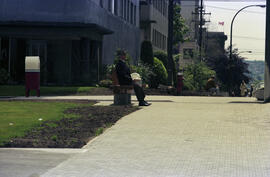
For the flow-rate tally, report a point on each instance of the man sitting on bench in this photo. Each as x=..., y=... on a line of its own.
x=124, y=78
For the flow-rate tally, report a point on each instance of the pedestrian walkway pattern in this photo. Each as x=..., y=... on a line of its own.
x=187, y=137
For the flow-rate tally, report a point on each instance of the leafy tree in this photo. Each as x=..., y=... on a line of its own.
x=179, y=26
x=196, y=76
x=147, y=56
x=175, y=68
x=230, y=72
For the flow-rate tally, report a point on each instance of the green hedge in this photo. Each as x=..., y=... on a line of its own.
x=160, y=74
x=163, y=57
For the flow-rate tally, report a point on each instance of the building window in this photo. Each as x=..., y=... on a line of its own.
x=158, y=5
x=162, y=41
x=135, y=15
x=110, y=5
x=166, y=42
x=121, y=8
x=128, y=11
x=165, y=9
x=131, y=13
x=156, y=40
x=125, y=9
x=116, y=7
x=101, y=3
x=152, y=36
x=159, y=40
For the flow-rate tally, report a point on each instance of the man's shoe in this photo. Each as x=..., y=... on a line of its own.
x=148, y=104
x=144, y=103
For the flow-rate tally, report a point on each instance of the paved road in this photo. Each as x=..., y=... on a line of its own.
x=32, y=162
x=176, y=136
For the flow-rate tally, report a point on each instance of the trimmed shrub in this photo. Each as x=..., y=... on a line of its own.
x=163, y=57
x=147, y=53
x=160, y=72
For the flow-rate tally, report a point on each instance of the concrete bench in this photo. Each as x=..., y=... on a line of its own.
x=122, y=93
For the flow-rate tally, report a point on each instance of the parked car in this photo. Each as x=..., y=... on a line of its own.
x=259, y=92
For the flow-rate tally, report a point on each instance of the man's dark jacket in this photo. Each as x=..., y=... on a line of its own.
x=123, y=73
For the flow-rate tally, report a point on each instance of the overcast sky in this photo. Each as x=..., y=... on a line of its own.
x=248, y=26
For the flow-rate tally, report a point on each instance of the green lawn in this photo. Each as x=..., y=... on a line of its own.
x=17, y=117
x=20, y=90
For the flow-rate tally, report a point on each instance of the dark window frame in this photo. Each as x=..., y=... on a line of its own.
x=115, y=9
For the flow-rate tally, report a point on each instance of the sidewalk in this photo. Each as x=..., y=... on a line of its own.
x=178, y=136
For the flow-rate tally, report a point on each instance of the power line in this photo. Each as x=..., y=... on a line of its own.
x=223, y=8
x=253, y=49
x=257, y=55
x=247, y=37
x=188, y=5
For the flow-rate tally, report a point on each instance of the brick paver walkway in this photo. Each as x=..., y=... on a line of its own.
x=187, y=137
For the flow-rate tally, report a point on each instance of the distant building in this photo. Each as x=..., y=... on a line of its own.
x=73, y=38
x=189, y=50
x=190, y=12
x=215, y=43
x=154, y=23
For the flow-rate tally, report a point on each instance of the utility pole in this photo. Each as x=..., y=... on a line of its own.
x=201, y=24
x=267, y=56
x=201, y=21
x=170, y=42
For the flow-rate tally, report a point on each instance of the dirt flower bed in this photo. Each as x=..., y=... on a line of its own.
x=73, y=132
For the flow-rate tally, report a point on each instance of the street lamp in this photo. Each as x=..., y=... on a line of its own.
x=262, y=6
